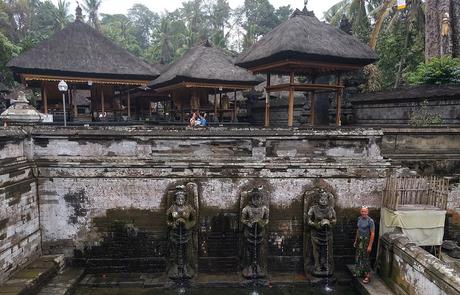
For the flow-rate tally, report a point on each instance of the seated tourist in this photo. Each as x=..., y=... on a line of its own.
x=203, y=120
x=195, y=120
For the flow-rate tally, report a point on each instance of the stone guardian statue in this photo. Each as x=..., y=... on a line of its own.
x=254, y=218
x=181, y=220
x=321, y=219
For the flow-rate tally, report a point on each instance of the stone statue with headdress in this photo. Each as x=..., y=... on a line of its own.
x=254, y=218
x=181, y=220
x=321, y=219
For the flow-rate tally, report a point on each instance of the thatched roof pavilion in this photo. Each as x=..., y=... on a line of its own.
x=85, y=59
x=203, y=70
x=80, y=52
x=305, y=46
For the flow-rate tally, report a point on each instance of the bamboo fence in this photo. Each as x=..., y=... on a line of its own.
x=417, y=191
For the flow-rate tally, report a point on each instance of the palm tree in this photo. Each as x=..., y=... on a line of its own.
x=92, y=7
x=62, y=14
x=356, y=11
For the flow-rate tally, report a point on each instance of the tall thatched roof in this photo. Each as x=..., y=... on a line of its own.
x=80, y=51
x=205, y=63
x=304, y=37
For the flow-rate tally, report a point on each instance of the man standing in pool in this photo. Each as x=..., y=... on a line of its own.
x=363, y=244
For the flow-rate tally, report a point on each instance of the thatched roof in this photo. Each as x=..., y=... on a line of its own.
x=304, y=37
x=408, y=93
x=80, y=51
x=205, y=63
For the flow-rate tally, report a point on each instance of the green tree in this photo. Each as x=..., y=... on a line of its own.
x=438, y=70
x=260, y=18
x=283, y=13
x=92, y=8
x=120, y=29
x=7, y=51
x=62, y=15
x=144, y=22
x=219, y=15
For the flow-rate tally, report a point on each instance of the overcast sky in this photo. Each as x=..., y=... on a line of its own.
x=122, y=6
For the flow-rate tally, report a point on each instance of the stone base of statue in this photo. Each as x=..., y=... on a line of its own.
x=321, y=273
x=253, y=272
x=180, y=273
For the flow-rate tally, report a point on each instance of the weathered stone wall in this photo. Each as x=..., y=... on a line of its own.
x=19, y=215
x=398, y=106
x=409, y=269
x=102, y=192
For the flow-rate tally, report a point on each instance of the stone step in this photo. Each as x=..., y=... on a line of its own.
x=64, y=283
x=33, y=277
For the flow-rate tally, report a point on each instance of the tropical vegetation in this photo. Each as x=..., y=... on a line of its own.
x=396, y=35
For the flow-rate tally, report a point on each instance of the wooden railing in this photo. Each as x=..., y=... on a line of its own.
x=417, y=191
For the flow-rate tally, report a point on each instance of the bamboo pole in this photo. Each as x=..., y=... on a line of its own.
x=291, y=102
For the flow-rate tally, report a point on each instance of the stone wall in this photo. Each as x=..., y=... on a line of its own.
x=409, y=269
x=19, y=214
x=397, y=106
x=103, y=191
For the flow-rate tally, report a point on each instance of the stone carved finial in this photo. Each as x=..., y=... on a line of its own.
x=78, y=13
x=345, y=25
x=20, y=112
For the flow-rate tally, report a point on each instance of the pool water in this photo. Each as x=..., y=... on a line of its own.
x=342, y=290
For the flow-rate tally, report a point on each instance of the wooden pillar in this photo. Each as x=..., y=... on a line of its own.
x=234, y=108
x=267, y=103
x=338, y=95
x=215, y=106
x=129, y=104
x=45, y=99
x=75, y=108
x=102, y=100
x=291, y=102
x=313, y=105
x=150, y=106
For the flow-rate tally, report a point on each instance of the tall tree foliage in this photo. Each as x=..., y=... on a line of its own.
x=91, y=7
x=397, y=36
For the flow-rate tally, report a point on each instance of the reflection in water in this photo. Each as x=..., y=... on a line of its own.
x=342, y=290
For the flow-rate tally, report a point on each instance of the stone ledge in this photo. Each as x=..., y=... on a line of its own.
x=213, y=132
x=429, y=266
x=33, y=277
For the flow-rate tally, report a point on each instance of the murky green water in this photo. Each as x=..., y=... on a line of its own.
x=342, y=290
